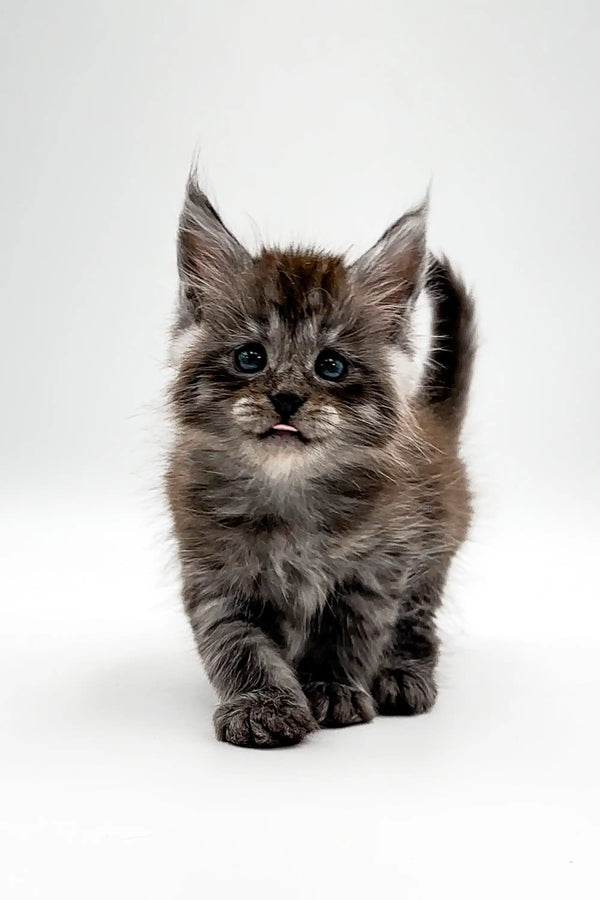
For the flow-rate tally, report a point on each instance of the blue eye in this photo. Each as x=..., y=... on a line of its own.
x=331, y=365
x=250, y=358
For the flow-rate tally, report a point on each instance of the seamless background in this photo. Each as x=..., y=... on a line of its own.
x=315, y=122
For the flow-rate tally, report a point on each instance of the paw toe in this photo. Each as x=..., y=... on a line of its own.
x=337, y=705
x=399, y=693
x=266, y=719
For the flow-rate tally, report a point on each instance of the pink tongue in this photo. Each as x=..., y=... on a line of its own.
x=282, y=427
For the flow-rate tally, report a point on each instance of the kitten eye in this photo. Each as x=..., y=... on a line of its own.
x=331, y=365
x=250, y=358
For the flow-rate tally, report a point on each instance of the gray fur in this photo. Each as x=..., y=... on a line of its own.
x=312, y=569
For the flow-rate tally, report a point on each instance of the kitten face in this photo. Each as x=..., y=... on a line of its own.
x=290, y=359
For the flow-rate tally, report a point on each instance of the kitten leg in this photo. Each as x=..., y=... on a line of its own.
x=343, y=653
x=405, y=684
x=262, y=703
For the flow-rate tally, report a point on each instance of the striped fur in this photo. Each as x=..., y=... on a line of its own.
x=313, y=567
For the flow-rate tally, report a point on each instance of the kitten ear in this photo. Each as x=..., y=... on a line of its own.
x=210, y=258
x=392, y=272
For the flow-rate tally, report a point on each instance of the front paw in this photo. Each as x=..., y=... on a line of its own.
x=336, y=705
x=268, y=718
x=404, y=693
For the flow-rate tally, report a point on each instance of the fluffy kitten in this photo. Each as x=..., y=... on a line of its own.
x=315, y=483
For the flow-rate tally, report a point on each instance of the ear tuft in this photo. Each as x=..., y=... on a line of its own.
x=209, y=257
x=393, y=271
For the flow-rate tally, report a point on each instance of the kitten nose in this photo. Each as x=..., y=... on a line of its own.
x=286, y=404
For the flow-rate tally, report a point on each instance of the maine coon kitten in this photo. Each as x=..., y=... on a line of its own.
x=315, y=483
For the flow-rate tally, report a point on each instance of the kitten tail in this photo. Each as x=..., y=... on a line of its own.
x=451, y=359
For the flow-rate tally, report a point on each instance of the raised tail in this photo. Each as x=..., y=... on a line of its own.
x=450, y=363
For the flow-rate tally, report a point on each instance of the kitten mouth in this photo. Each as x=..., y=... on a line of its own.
x=284, y=432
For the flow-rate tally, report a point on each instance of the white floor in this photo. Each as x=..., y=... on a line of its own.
x=115, y=787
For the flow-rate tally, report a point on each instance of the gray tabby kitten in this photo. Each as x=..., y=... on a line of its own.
x=315, y=483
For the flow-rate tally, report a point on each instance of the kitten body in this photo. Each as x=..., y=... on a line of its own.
x=316, y=517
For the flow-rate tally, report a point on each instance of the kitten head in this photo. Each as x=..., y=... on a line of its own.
x=292, y=358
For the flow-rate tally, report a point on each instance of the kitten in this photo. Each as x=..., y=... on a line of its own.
x=315, y=483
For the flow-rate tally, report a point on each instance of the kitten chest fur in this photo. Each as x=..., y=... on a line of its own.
x=284, y=553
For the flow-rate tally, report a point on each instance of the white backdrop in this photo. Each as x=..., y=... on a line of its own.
x=315, y=122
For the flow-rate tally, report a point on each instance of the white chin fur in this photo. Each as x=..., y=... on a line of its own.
x=283, y=463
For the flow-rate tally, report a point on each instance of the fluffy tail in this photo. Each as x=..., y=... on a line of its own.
x=453, y=347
